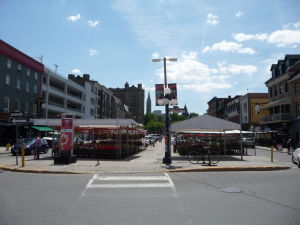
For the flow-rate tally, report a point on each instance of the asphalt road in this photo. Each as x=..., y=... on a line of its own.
x=227, y=198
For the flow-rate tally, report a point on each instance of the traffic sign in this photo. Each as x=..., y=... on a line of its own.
x=16, y=114
x=18, y=121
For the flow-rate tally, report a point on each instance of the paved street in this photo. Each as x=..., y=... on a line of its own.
x=248, y=198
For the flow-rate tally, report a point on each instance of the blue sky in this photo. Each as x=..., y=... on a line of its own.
x=223, y=47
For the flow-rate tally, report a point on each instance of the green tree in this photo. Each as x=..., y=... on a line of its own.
x=193, y=115
x=155, y=127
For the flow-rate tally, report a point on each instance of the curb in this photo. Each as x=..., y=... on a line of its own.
x=5, y=153
x=228, y=169
x=176, y=170
x=11, y=169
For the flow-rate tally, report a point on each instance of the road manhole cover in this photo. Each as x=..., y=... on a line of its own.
x=230, y=190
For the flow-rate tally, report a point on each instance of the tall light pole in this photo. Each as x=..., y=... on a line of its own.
x=167, y=159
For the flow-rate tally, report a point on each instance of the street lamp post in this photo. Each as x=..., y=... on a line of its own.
x=167, y=159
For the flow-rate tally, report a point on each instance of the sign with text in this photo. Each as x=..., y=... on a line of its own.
x=169, y=99
x=66, y=136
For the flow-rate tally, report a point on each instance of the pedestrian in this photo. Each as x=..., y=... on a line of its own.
x=289, y=146
x=36, y=150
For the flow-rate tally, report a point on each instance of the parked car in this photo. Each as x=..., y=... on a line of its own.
x=296, y=157
x=29, y=146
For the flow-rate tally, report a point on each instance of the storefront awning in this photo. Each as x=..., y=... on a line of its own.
x=42, y=128
x=284, y=101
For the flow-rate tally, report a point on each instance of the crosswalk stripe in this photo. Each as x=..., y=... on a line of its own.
x=146, y=185
x=131, y=178
x=166, y=182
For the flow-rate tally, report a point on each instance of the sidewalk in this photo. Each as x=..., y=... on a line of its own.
x=149, y=160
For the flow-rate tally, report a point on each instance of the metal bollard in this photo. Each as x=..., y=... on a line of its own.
x=23, y=154
x=272, y=153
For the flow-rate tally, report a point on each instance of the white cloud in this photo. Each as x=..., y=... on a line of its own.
x=190, y=73
x=93, y=23
x=239, y=14
x=76, y=71
x=212, y=19
x=155, y=55
x=225, y=46
x=93, y=52
x=281, y=38
x=240, y=37
x=74, y=18
x=297, y=24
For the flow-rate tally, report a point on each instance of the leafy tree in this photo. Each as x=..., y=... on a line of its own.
x=155, y=127
x=193, y=115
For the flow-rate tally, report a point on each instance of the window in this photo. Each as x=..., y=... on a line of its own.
x=281, y=88
x=245, y=107
x=36, y=76
x=297, y=89
x=34, y=109
x=286, y=87
x=17, y=105
x=6, y=104
x=18, y=84
x=298, y=109
x=275, y=90
x=19, y=67
x=26, y=107
x=27, y=86
x=270, y=92
x=8, y=64
x=28, y=72
x=92, y=112
x=35, y=89
x=7, y=79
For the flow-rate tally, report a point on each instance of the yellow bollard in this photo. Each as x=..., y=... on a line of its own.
x=23, y=154
x=272, y=153
x=8, y=147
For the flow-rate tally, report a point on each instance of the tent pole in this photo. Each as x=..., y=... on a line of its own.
x=241, y=138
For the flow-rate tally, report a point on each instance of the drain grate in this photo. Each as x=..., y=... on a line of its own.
x=230, y=190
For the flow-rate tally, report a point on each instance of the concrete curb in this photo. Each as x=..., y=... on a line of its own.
x=171, y=170
x=5, y=152
x=23, y=170
x=228, y=169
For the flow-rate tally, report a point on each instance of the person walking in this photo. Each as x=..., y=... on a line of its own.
x=36, y=150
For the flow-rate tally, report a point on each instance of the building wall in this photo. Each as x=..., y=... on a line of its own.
x=23, y=70
x=134, y=98
x=255, y=112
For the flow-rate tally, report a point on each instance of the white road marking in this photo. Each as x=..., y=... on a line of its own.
x=147, y=184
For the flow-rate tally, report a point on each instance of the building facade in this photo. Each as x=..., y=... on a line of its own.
x=21, y=81
x=134, y=98
x=251, y=111
x=283, y=89
x=216, y=107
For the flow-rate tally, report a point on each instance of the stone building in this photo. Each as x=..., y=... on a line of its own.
x=148, y=107
x=134, y=98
